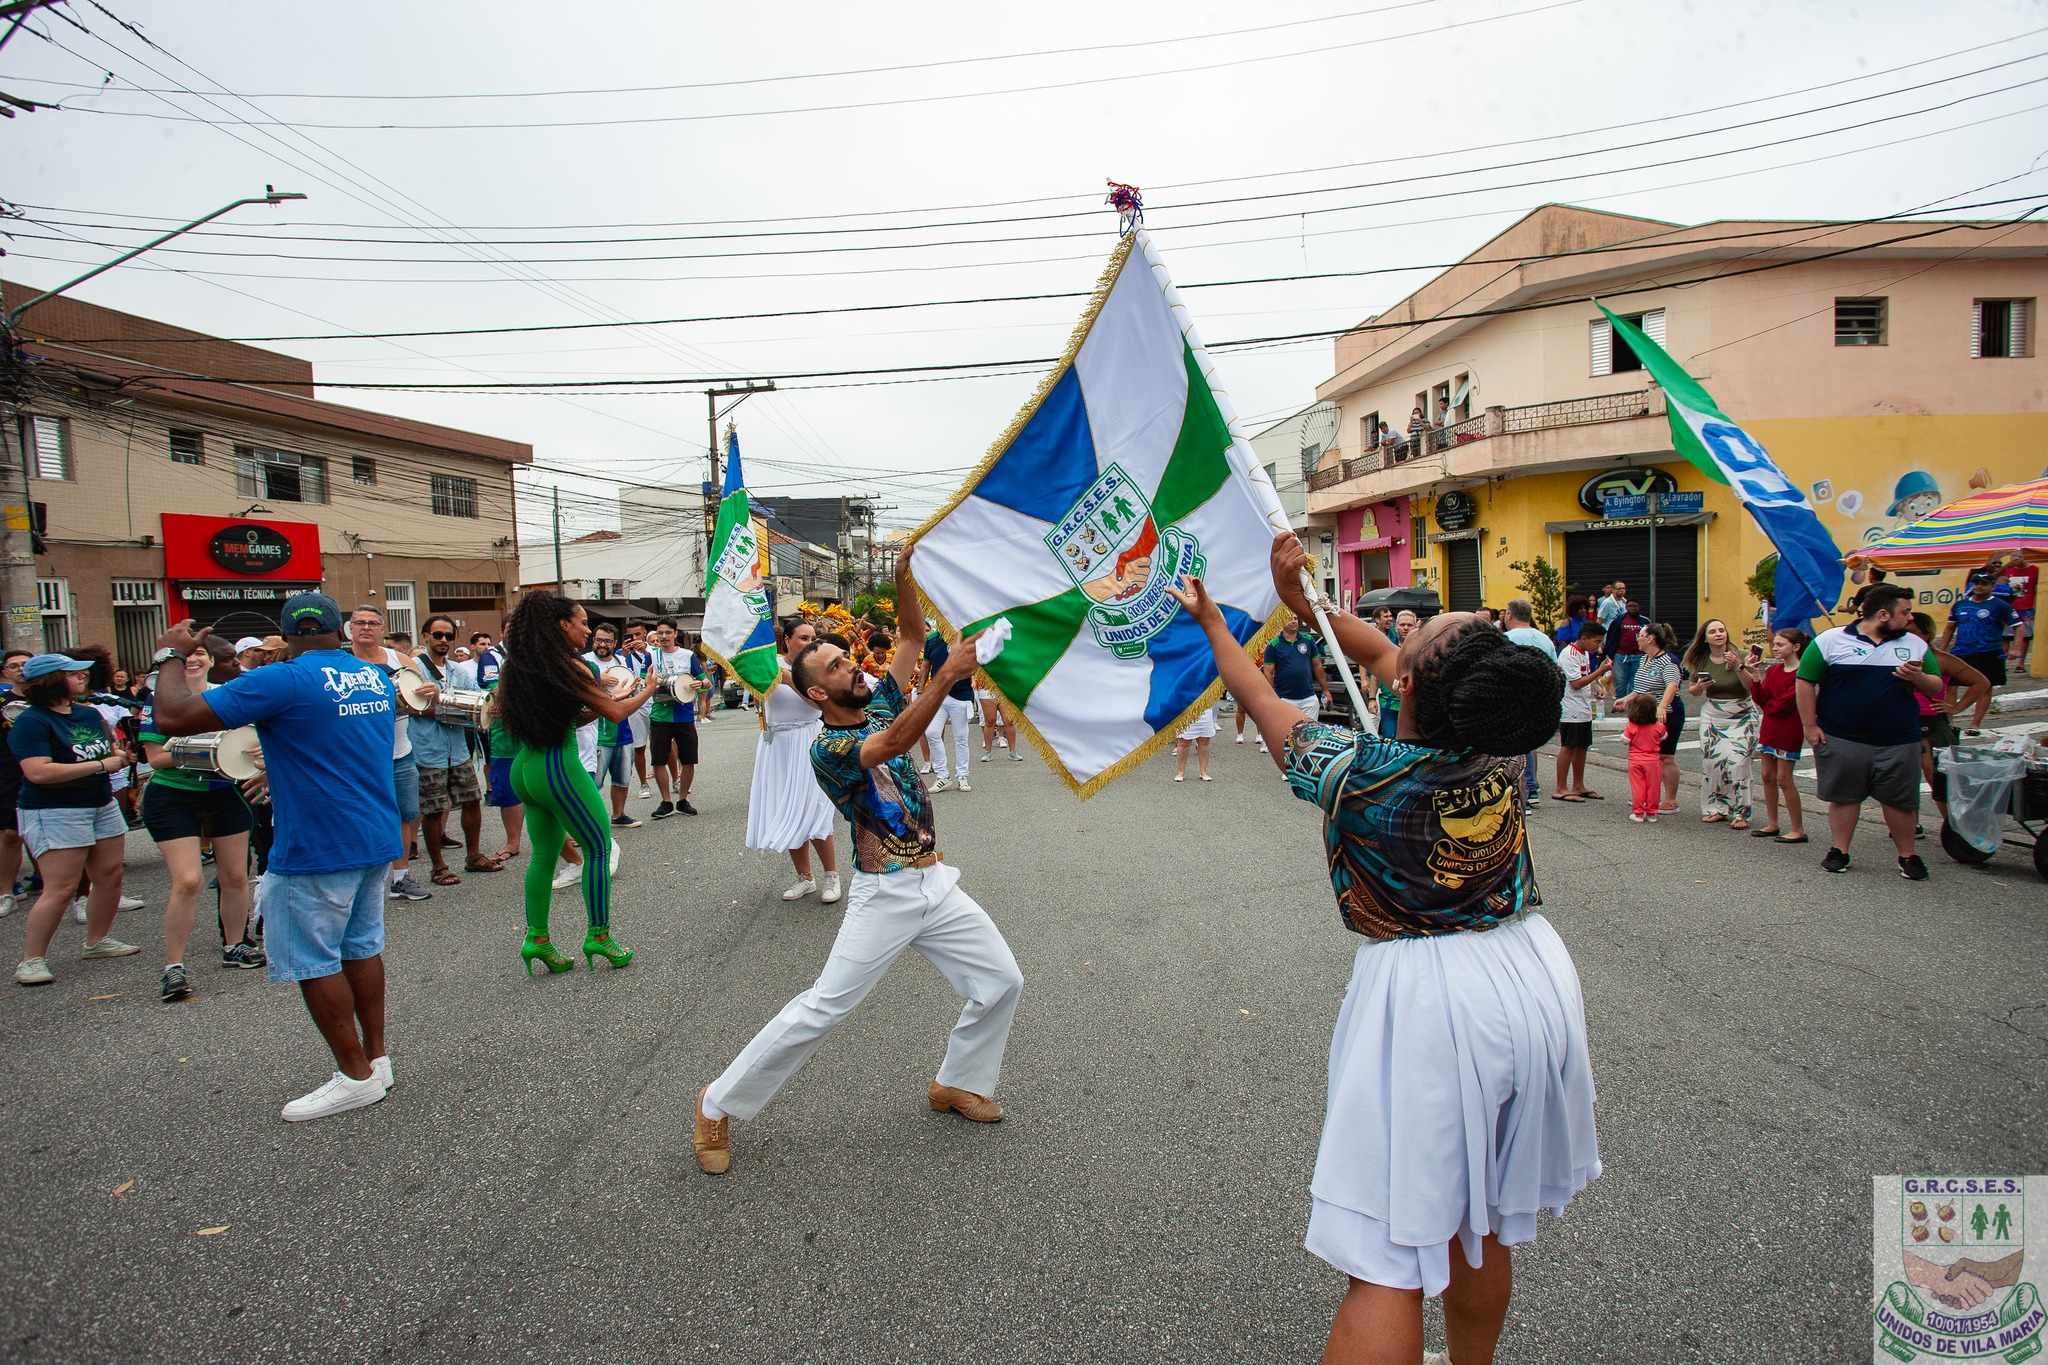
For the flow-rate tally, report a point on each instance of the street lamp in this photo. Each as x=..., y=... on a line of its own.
x=270, y=195
x=23, y=619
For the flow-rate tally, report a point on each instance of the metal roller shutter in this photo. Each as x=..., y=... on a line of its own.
x=1593, y=559
x=1461, y=575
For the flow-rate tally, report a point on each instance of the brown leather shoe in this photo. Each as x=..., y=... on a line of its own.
x=710, y=1141
x=965, y=1103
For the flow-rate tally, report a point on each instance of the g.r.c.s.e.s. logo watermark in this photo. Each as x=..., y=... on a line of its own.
x=1951, y=1258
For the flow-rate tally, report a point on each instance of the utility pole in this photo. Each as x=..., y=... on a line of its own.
x=17, y=557
x=558, y=538
x=739, y=393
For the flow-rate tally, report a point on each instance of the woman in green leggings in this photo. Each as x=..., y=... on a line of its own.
x=545, y=691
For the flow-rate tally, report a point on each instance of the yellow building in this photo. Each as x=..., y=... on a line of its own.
x=1889, y=368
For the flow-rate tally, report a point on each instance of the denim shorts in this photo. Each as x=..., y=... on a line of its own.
x=56, y=827
x=405, y=781
x=314, y=922
x=1785, y=755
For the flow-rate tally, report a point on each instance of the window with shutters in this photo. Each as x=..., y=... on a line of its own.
x=279, y=475
x=1860, y=322
x=187, y=447
x=48, y=443
x=363, y=470
x=1613, y=355
x=2000, y=329
x=454, y=496
x=53, y=596
x=1369, y=431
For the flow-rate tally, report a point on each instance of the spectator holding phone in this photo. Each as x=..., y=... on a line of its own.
x=1728, y=725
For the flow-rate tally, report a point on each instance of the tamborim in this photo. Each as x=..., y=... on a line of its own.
x=675, y=687
x=466, y=709
x=411, y=685
x=620, y=681
x=226, y=753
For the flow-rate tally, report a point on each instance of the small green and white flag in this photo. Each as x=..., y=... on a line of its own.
x=737, y=629
x=1124, y=473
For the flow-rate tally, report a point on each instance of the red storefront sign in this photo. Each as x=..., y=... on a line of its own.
x=231, y=567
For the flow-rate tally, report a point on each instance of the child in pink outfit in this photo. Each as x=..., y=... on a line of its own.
x=1644, y=733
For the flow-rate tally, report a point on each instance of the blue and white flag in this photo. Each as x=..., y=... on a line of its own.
x=1810, y=569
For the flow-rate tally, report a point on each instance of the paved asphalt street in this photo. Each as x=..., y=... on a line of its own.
x=1765, y=1037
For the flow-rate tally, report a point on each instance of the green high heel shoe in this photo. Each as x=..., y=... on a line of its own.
x=538, y=947
x=599, y=943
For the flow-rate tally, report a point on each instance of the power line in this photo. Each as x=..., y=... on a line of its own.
x=991, y=365
x=1292, y=212
x=810, y=75
x=1634, y=245
x=849, y=106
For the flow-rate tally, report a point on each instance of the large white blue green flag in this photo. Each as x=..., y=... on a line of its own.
x=737, y=629
x=1124, y=472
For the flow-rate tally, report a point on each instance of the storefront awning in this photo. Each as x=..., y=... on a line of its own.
x=1560, y=528
x=1366, y=546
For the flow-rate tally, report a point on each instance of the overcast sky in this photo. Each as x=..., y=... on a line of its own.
x=1358, y=99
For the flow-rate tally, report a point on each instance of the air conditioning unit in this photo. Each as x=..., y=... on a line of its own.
x=575, y=589
x=619, y=589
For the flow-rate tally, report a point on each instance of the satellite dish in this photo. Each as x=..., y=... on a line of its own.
x=1318, y=430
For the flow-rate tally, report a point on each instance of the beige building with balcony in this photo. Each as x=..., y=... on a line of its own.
x=164, y=494
x=1486, y=418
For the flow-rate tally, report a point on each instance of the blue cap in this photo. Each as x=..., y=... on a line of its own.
x=310, y=613
x=1912, y=484
x=43, y=665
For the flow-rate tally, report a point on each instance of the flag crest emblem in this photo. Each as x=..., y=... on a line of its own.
x=1124, y=473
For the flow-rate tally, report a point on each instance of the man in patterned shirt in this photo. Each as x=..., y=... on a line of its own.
x=903, y=895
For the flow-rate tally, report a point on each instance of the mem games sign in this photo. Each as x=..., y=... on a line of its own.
x=234, y=549
x=1953, y=1260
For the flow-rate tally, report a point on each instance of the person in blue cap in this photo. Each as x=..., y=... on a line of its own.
x=68, y=816
x=326, y=720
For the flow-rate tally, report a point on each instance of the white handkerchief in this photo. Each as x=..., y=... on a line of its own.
x=992, y=640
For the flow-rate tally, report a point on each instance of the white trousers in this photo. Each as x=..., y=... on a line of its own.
x=886, y=912
x=962, y=714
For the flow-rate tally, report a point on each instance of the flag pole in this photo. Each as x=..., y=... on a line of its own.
x=1321, y=605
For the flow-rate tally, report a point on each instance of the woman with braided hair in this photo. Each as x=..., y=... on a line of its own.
x=1461, y=1098
x=545, y=690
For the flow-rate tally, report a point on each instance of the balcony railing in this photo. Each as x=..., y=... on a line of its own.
x=1578, y=412
x=1570, y=412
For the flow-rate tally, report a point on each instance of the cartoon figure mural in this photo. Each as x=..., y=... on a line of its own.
x=1916, y=495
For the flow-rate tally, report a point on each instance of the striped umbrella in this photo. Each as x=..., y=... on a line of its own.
x=1969, y=531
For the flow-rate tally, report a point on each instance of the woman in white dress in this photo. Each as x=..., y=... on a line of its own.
x=1200, y=731
x=787, y=811
x=1461, y=1096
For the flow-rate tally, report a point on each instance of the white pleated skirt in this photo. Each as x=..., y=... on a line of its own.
x=1201, y=727
x=1461, y=1102
x=786, y=808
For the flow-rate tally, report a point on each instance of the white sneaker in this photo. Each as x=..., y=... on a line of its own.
x=78, y=910
x=129, y=903
x=926, y=769
x=613, y=865
x=645, y=791
x=337, y=1096
x=831, y=891
x=1001, y=742
x=567, y=875
x=1437, y=1358
x=6, y=905
x=380, y=1069
x=1240, y=739
x=800, y=890
x=32, y=971
x=986, y=755
x=108, y=947
x=944, y=784
x=963, y=785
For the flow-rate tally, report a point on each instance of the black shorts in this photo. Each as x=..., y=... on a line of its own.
x=1674, y=722
x=1991, y=665
x=681, y=735
x=176, y=813
x=1575, y=734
